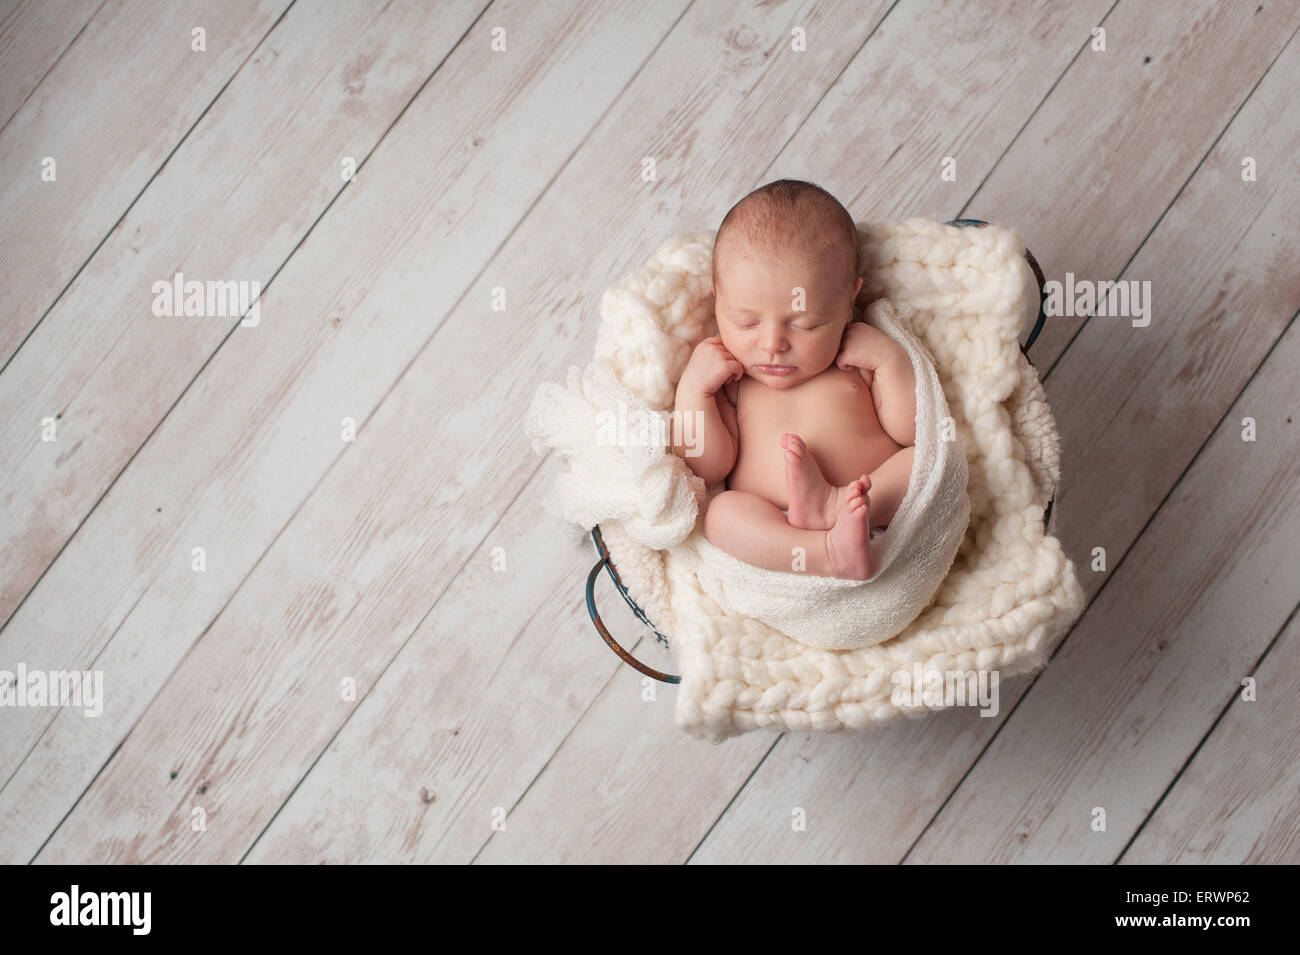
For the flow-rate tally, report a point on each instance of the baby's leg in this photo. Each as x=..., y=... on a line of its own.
x=753, y=529
x=814, y=501
x=889, y=486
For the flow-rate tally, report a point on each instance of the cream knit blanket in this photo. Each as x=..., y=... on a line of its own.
x=964, y=293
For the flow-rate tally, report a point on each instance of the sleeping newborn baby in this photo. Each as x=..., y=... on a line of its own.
x=807, y=412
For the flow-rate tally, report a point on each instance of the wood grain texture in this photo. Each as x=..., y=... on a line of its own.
x=109, y=128
x=1124, y=131
x=232, y=205
x=704, y=37
x=336, y=81
x=1235, y=803
x=1124, y=408
x=34, y=34
x=886, y=82
x=489, y=723
x=1139, y=682
x=389, y=295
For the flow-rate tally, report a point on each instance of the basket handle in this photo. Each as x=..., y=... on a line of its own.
x=605, y=634
x=1038, y=276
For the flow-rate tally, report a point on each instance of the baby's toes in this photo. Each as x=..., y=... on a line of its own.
x=865, y=498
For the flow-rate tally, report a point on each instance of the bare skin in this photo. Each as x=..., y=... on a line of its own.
x=842, y=423
x=754, y=530
x=814, y=501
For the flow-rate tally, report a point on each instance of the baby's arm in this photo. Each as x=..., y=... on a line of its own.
x=893, y=390
x=888, y=370
x=713, y=451
x=699, y=409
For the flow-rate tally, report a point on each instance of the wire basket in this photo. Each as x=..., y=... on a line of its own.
x=605, y=562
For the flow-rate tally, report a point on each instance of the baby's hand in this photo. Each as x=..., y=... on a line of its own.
x=864, y=348
x=710, y=367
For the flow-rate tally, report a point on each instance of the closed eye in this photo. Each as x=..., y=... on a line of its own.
x=802, y=328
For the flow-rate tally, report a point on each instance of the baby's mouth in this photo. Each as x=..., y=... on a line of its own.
x=775, y=369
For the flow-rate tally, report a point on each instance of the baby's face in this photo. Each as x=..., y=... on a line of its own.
x=761, y=324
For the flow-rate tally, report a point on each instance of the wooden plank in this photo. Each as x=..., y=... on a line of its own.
x=505, y=767
x=1141, y=681
x=108, y=369
x=525, y=387
x=1235, y=804
x=1132, y=149
x=972, y=83
x=332, y=88
x=544, y=801
x=1227, y=292
x=882, y=83
x=108, y=130
x=236, y=477
x=33, y=35
x=417, y=499
x=251, y=181
x=468, y=713
x=537, y=832
x=1147, y=419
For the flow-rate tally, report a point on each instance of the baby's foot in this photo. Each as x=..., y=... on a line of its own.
x=848, y=544
x=813, y=500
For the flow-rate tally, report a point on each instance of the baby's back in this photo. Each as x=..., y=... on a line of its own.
x=834, y=414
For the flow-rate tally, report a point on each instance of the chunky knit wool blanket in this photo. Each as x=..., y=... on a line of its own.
x=999, y=607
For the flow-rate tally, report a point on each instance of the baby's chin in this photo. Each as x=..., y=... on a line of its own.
x=785, y=381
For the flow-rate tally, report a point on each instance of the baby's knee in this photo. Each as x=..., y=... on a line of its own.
x=720, y=513
x=900, y=463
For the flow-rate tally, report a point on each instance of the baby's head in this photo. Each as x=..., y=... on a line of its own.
x=785, y=276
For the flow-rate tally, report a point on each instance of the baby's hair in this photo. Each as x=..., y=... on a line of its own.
x=785, y=214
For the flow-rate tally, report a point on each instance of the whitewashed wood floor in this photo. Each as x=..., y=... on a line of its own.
x=490, y=724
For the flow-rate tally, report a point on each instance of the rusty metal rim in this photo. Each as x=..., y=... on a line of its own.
x=614, y=645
